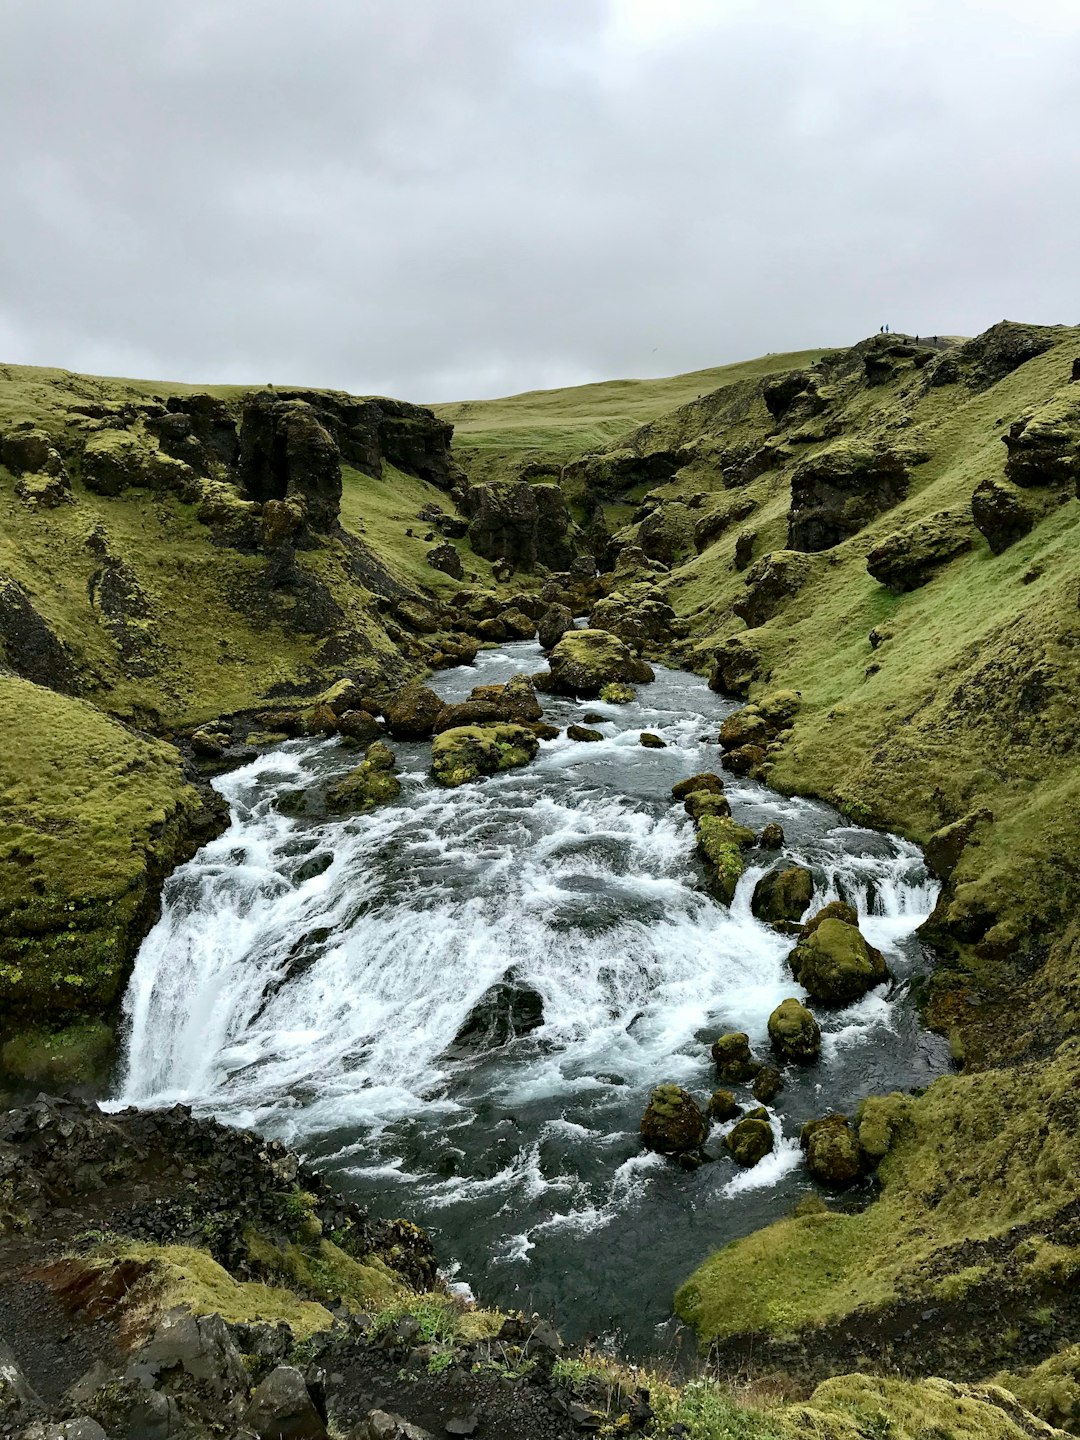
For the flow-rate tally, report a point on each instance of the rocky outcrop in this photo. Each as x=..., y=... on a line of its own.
x=287, y=455
x=553, y=625
x=841, y=489
x=735, y=666
x=912, y=556
x=997, y=352
x=835, y=964
x=1000, y=514
x=667, y=533
x=584, y=661
x=794, y=1033
x=1044, y=448
x=36, y=463
x=609, y=476
x=673, y=1122
x=522, y=524
x=747, y=733
x=470, y=752
x=446, y=558
x=710, y=527
x=637, y=622
x=720, y=843
x=28, y=644
x=770, y=583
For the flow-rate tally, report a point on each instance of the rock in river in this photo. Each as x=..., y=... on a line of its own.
x=673, y=1123
x=836, y=964
x=470, y=751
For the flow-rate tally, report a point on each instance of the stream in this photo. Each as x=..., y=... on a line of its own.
x=309, y=976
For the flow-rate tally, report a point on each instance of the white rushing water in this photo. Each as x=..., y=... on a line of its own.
x=309, y=976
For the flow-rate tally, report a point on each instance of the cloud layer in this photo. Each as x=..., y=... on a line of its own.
x=444, y=199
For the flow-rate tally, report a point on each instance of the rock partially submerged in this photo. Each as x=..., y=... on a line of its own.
x=584, y=661
x=412, y=712
x=832, y=1151
x=751, y=1139
x=673, y=1122
x=794, y=1033
x=734, y=1061
x=783, y=894
x=835, y=964
x=469, y=752
x=371, y=783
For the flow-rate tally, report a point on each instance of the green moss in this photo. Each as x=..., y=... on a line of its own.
x=721, y=842
x=324, y=1270
x=468, y=752
x=864, y=1407
x=1050, y=1390
x=75, y=1055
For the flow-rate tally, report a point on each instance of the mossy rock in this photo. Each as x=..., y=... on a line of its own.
x=371, y=783
x=471, y=751
x=651, y=741
x=832, y=1151
x=750, y=1140
x=733, y=1058
x=836, y=965
x=834, y=910
x=721, y=843
x=79, y=1054
x=880, y=1120
x=412, y=712
x=673, y=1122
x=707, y=802
x=794, y=1033
x=744, y=727
x=694, y=783
x=771, y=837
x=584, y=661
x=783, y=894
x=723, y=1105
x=768, y=1083
x=583, y=734
x=616, y=693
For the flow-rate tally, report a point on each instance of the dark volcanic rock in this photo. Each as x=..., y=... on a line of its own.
x=1000, y=513
x=735, y=666
x=997, y=352
x=838, y=491
x=411, y=713
x=501, y=1014
x=912, y=556
x=28, y=645
x=526, y=525
x=282, y=1408
x=783, y=894
x=832, y=1150
x=446, y=558
x=770, y=584
x=286, y=454
x=553, y=625
x=673, y=1122
x=1044, y=448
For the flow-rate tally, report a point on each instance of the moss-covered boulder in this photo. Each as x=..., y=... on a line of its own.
x=359, y=727
x=704, y=781
x=616, y=693
x=733, y=1058
x=553, y=625
x=751, y=1139
x=770, y=583
x=472, y=751
x=1001, y=514
x=771, y=837
x=912, y=556
x=706, y=802
x=721, y=843
x=794, y=1033
x=723, y=1105
x=783, y=894
x=78, y=1054
x=411, y=713
x=880, y=1120
x=842, y=488
x=673, y=1122
x=745, y=727
x=834, y=910
x=583, y=734
x=835, y=964
x=1044, y=447
x=832, y=1150
x=371, y=783
x=768, y=1083
x=584, y=661
x=651, y=741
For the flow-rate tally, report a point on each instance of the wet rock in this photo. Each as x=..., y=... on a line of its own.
x=720, y=843
x=584, y=661
x=794, y=1033
x=582, y=733
x=835, y=964
x=772, y=836
x=834, y=910
x=516, y=700
x=706, y=802
x=705, y=781
x=750, y=1140
x=910, y=557
x=733, y=1059
x=1000, y=514
x=517, y=624
x=636, y=622
x=209, y=744
x=554, y=623
x=617, y=694
x=543, y=731
x=501, y=1014
x=770, y=583
x=384, y=1425
x=282, y=1408
x=783, y=894
x=371, y=783
x=746, y=760
x=832, y=1151
x=842, y=488
x=468, y=712
x=945, y=846
x=673, y=1122
x=768, y=1083
x=411, y=713
x=723, y=1105
x=651, y=741
x=446, y=559
x=359, y=726
x=468, y=752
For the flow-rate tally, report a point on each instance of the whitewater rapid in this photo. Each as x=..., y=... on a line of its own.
x=309, y=975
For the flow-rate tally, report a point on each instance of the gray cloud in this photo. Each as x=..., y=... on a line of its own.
x=450, y=198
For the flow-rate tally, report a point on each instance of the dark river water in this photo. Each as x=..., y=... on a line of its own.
x=309, y=975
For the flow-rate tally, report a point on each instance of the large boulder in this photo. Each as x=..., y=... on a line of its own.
x=834, y=910
x=835, y=964
x=667, y=533
x=445, y=558
x=751, y=1139
x=1044, y=448
x=832, y=1151
x=770, y=584
x=584, y=661
x=706, y=802
x=516, y=700
x=371, y=783
x=282, y=1408
x=912, y=556
x=501, y=1014
x=842, y=488
x=1000, y=514
x=525, y=525
x=783, y=894
x=412, y=712
x=721, y=842
x=794, y=1033
x=637, y=622
x=735, y=667
x=706, y=780
x=469, y=752
x=673, y=1122
x=553, y=625
x=287, y=454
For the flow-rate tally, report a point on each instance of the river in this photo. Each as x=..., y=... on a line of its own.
x=309, y=975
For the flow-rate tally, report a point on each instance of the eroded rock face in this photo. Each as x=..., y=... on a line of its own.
x=525, y=525
x=735, y=667
x=446, y=558
x=584, y=661
x=287, y=454
x=1000, y=514
x=637, y=622
x=835, y=964
x=835, y=493
x=1044, y=448
x=997, y=352
x=282, y=1408
x=914, y=555
x=770, y=583
x=673, y=1123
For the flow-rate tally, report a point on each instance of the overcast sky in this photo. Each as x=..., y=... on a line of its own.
x=447, y=199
